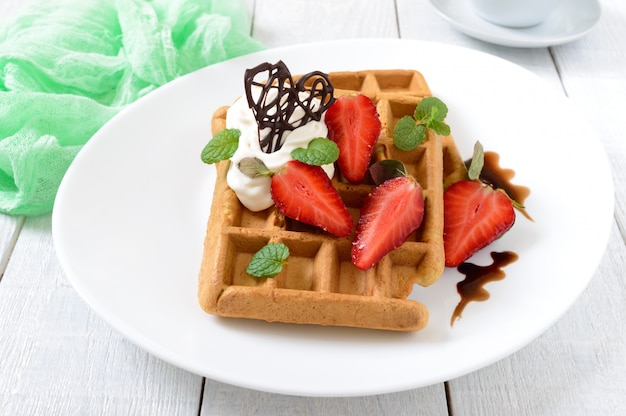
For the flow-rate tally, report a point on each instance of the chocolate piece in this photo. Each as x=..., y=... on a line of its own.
x=276, y=113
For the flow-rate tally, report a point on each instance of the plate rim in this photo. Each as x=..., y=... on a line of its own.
x=161, y=353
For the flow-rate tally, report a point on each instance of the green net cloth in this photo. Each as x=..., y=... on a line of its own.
x=68, y=66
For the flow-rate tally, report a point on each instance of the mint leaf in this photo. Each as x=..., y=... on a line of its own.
x=430, y=108
x=439, y=127
x=221, y=147
x=268, y=261
x=386, y=169
x=407, y=135
x=478, y=160
x=320, y=151
x=253, y=167
x=429, y=113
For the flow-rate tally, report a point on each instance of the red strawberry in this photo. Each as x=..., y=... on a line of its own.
x=389, y=215
x=305, y=193
x=353, y=124
x=474, y=216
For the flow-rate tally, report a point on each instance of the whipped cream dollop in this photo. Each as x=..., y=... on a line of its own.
x=254, y=193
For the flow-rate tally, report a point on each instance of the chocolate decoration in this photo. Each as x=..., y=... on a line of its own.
x=476, y=277
x=276, y=113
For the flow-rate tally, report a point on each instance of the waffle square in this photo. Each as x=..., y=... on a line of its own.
x=319, y=284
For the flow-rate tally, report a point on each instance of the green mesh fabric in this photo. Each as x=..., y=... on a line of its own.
x=68, y=66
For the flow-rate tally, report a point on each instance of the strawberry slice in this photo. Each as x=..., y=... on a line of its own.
x=389, y=215
x=353, y=124
x=474, y=216
x=305, y=193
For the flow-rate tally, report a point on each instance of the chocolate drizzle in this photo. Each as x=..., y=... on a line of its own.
x=279, y=98
x=472, y=287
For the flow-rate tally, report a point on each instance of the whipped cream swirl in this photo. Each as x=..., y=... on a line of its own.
x=254, y=193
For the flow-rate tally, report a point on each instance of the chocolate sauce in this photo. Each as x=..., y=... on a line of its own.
x=499, y=177
x=275, y=113
x=471, y=288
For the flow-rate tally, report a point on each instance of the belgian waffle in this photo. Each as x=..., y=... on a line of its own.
x=319, y=284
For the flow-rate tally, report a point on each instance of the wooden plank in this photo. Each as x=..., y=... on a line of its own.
x=594, y=76
x=58, y=357
x=224, y=400
x=9, y=232
x=281, y=23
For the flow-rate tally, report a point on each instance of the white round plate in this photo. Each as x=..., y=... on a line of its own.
x=571, y=20
x=130, y=216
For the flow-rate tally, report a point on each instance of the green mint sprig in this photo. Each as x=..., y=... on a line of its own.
x=410, y=132
x=221, y=147
x=268, y=261
x=320, y=151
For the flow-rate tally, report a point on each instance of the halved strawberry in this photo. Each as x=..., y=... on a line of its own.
x=389, y=215
x=474, y=216
x=305, y=193
x=353, y=124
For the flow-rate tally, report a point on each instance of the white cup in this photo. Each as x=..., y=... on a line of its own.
x=515, y=13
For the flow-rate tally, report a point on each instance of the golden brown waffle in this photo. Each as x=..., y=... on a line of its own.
x=319, y=284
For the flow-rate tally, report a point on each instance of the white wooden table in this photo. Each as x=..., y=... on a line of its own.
x=58, y=358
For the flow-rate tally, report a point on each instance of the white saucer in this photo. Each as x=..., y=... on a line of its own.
x=573, y=19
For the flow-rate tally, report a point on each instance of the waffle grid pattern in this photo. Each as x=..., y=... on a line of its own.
x=319, y=285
